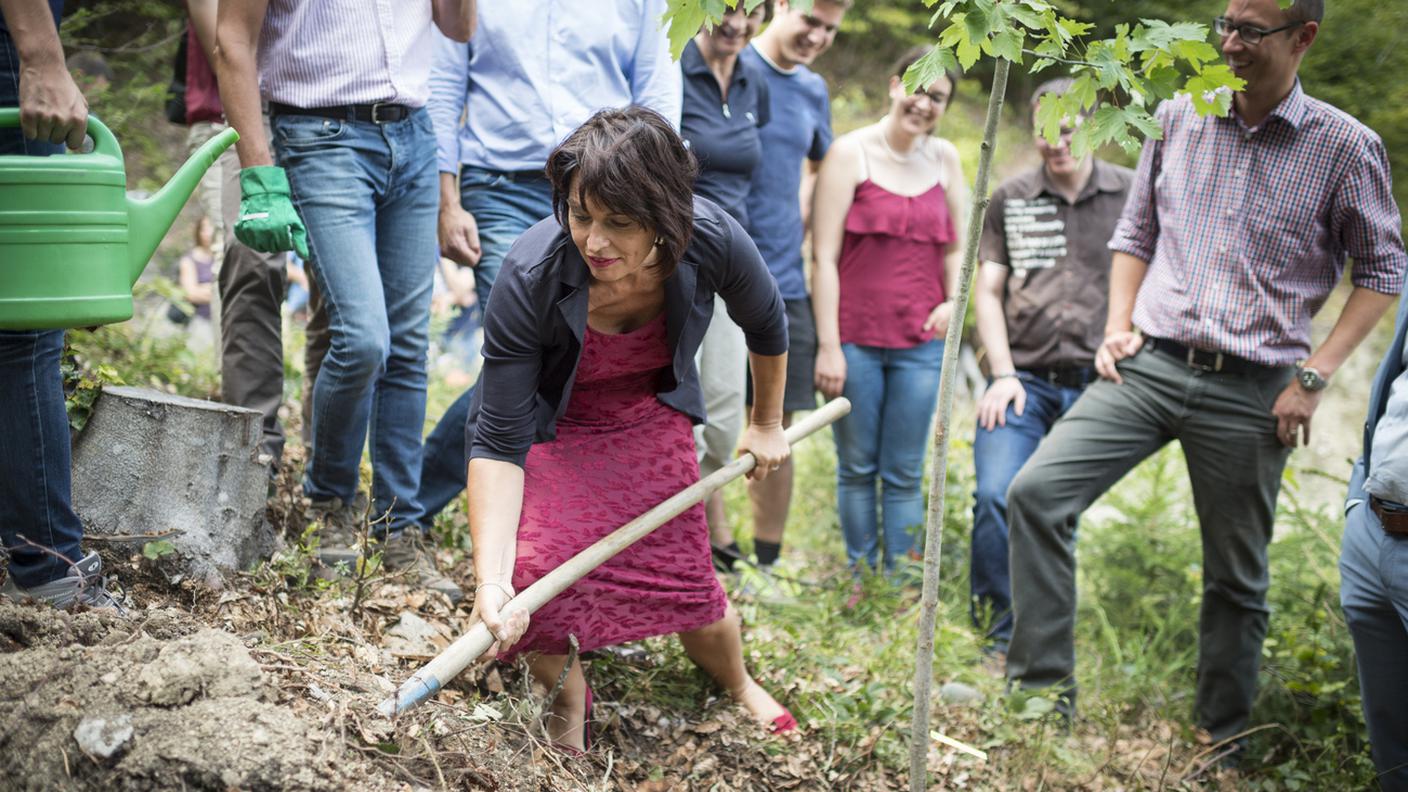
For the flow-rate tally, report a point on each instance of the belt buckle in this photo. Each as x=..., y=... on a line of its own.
x=376, y=111
x=1193, y=361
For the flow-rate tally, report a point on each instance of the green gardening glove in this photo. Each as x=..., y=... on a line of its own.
x=268, y=222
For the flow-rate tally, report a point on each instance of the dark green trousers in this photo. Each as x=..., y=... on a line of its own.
x=1228, y=434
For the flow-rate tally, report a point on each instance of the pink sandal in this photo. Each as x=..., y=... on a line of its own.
x=783, y=723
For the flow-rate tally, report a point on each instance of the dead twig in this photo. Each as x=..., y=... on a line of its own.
x=131, y=537
x=561, y=680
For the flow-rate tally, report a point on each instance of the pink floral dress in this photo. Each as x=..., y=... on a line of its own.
x=619, y=452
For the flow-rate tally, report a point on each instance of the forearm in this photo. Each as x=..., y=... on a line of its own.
x=808, y=190
x=769, y=381
x=495, y=491
x=992, y=331
x=1126, y=275
x=203, y=21
x=455, y=18
x=826, y=300
x=1361, y=313
x=953, y=273
x=237, y=42
x=36, y=36
x=449, y=191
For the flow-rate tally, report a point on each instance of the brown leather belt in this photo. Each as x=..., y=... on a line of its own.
x=1394, y=521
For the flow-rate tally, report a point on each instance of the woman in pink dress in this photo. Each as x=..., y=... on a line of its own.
x=582, y=419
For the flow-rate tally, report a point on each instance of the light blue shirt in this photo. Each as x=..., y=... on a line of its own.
x=1388, y=474
x=537, y=69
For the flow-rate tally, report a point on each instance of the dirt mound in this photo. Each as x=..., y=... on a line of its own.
x=96, y=704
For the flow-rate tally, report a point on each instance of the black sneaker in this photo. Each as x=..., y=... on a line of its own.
x=84, y=584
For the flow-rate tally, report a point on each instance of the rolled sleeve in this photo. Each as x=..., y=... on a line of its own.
x=1368, y=223
x=751, y=294
x=1137, y=232
x=655, y=77
x=449, y=82
x=508, y=382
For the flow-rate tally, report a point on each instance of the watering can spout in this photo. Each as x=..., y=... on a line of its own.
x=149, y=219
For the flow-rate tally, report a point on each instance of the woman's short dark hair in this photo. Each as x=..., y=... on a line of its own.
x=632, y=162
x=912, y=55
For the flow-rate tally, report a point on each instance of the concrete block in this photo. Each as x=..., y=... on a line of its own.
x=149, y=462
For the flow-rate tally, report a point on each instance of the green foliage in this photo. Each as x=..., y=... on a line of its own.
x=684, y=18
x=144, y=351
x=157, y=549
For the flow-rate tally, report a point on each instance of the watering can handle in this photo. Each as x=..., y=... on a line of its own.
x=103, y=141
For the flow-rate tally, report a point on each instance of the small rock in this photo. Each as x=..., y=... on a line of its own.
x=413, y=636
x=959, y=693
x=103, y=738
x=318, y=693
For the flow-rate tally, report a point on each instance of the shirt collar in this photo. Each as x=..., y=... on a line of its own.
x=692, y=64
x=1294, y=107
x=785, y=72
x=1102, y=179
x=1292, y=110
x=692, y=61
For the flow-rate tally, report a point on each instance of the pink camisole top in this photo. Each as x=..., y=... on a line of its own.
x=892, y=265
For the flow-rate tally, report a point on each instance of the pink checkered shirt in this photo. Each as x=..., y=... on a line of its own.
x=1246, y=230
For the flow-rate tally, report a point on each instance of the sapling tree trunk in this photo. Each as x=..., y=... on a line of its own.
x=934, y=524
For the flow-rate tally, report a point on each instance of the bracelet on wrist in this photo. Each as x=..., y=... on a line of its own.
x=1008, y=375
x=507, y=590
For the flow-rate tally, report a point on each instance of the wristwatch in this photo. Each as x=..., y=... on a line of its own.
x=1310, y=379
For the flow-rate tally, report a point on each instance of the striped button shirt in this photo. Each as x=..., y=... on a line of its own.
x=1246, y=230
x=324, y=53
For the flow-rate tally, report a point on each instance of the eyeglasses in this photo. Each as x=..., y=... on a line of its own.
x=937, y=98
x=1250, y=34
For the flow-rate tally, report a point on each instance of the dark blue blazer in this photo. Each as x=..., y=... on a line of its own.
x=537, y=317
x=1389, y=370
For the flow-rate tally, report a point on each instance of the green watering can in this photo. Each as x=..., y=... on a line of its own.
x=71, y=242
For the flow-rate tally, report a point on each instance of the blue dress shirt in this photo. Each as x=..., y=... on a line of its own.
x=537, y=69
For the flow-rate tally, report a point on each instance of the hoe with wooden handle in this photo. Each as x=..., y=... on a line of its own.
x=458, y=655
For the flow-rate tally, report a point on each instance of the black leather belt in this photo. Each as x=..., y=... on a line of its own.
x=1064, y=376
x=379, y=113
x=1213, y=362
x=1393, y=518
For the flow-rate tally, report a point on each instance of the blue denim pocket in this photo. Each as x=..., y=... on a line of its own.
x=299, y=130
x=480, y=179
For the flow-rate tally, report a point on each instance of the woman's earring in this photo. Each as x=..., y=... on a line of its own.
x=659, y=241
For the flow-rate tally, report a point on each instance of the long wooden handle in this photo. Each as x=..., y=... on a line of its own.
x=458, y=655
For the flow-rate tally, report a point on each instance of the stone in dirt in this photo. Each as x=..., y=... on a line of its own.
x=132, y=712
x=150, y=463
x=103, y=737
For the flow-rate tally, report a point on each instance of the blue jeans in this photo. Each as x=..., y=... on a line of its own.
x=892, y=393
x=1374, y=595
x=997, y=456
x=35, y=478
x=504, y=206
x=367, y=193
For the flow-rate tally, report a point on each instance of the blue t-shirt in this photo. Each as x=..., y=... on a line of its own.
x=799, y=128
x=56, y=7
x=723, y=135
